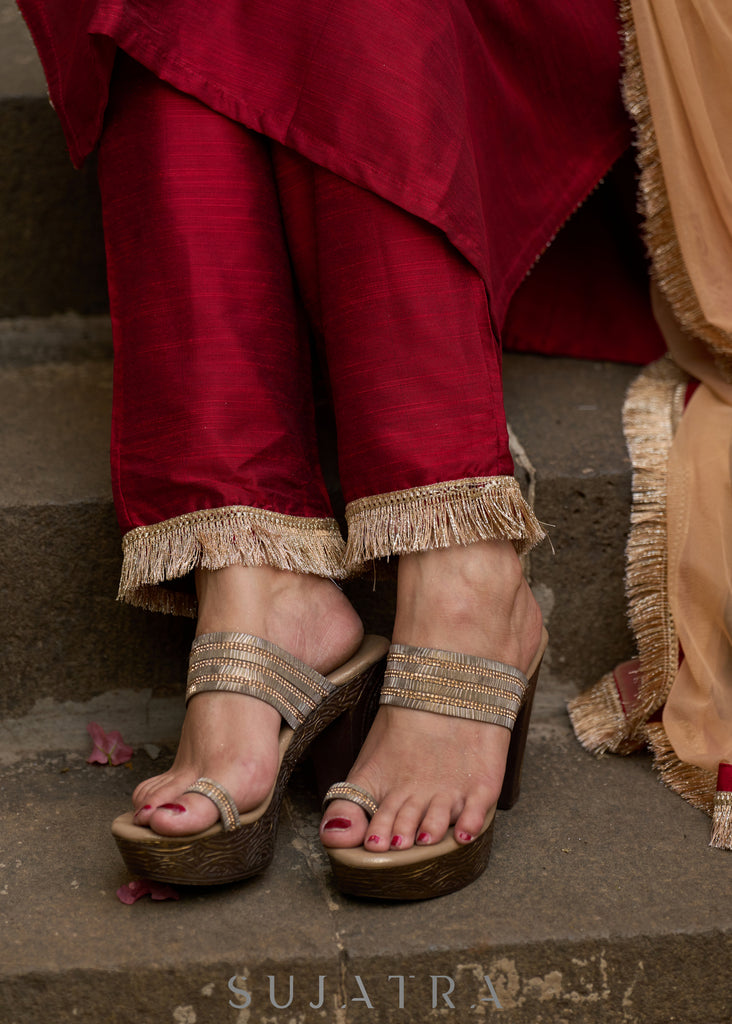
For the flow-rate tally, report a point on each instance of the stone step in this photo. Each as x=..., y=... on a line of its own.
x=602, y=904
x=51, y=246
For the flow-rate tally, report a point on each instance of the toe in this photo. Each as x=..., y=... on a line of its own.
x=344, y=824
x=150, y=794
x=406, y=823
x=143, y=793
x=472, y=818
x=181, y=814
x=435, y=823
x=380, y=831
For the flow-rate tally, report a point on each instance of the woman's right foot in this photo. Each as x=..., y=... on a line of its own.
x=229, y=737
x=430, y=772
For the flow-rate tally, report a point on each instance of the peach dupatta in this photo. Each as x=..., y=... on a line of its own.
x=678, y=88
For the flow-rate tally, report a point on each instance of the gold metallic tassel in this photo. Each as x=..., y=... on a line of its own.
x=722, y=812
x=599, y=721
x=722, y=822
x=214, y=538
x=438, y=516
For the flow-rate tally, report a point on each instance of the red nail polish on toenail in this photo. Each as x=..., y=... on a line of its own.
x=139, y=810
x=465, y=837
x=178, y=808
x=336, y=823
x=373, y=839
x=396, y=841
x=423, y=837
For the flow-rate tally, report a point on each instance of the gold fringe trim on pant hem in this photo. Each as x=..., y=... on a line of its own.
x=652, y=410
x=696, y=785
x=439, y=516
x=215, y=538
x=599, y=721
x=669, y=269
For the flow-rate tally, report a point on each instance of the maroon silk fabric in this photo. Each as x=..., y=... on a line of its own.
x=204, y=222
x=490, y=119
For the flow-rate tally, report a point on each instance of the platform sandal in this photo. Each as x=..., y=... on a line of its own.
x=242, y=844
x=462, y=686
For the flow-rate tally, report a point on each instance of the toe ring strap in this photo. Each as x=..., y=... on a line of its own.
x=356, y=795
x=219, y=796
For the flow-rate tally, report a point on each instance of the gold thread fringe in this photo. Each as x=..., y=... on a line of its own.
x=653, y=407
x=214, y=538
x=650, y=415
x=669, y=268
x=599, y=721
x=697, y=785
x=722, y=822
x=438, y=516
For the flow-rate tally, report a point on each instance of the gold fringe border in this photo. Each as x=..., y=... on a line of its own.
x=653, y=407
x=652, y=410
x=669, y=269
x=438, y=516
x=697, y=785
x=214, y=538
x=599, y=721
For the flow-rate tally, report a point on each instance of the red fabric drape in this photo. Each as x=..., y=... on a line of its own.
x=490, y=119
x=212, y=398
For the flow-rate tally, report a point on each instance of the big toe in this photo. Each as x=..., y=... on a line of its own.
x=344, y=824
x=184, y=814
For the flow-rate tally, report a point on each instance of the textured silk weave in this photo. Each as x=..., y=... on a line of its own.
x=490, y=119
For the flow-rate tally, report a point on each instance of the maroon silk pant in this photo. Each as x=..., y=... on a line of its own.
x=225, y=252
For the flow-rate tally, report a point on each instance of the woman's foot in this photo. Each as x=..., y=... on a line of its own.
x=428, y=771
x=229, y=737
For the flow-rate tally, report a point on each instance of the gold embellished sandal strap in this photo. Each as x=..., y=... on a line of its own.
x=241, y=663
x=356, y=794
x=450, y=683
x=219, y=796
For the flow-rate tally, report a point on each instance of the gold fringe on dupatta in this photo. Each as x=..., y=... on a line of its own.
x=214, y=538
x=599, y=721
x=681, y=51
x=437, y=516
x=651, y=414
x=652, y=409
x=691, y=782
x=668, y=264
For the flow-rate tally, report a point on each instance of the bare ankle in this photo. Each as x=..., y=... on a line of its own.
x=475, y=596
x=306, y=615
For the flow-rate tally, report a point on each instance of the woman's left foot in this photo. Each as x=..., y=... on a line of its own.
x=233, y=738
x=426, y=771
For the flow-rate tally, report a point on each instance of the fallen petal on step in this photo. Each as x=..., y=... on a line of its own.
x=132, y=891
x=109, y=747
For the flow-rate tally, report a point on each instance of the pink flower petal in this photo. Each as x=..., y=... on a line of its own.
x=97, y=757
x=139, y=887
x=119, y=751
x=109, y=748
x=159, y=891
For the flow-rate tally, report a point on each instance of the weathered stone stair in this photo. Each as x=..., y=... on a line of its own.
x=602, y=902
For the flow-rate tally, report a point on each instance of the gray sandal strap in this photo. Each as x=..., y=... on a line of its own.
x=219, y=796
x=241, y=663
x=356, y=794
x=449, y=683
